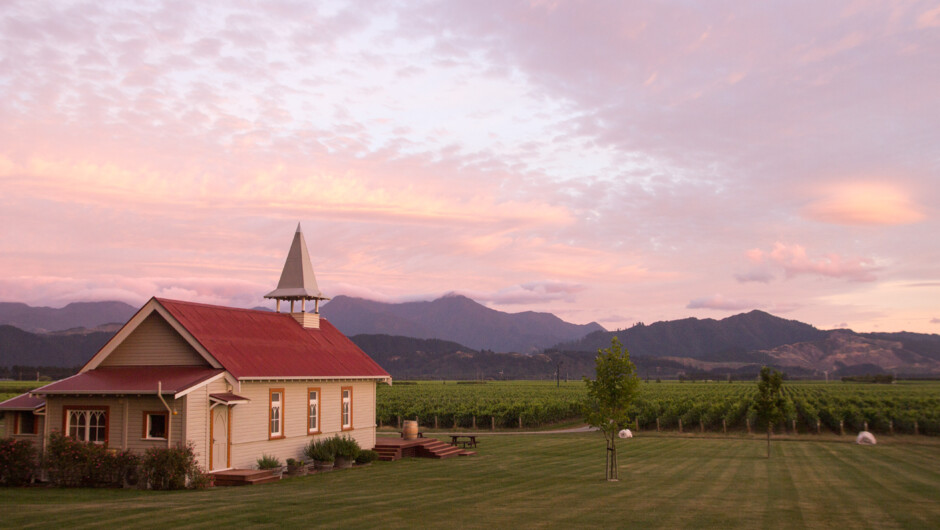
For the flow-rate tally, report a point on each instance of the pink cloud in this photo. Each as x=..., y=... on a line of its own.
x=862, y=203
x=755, y=275
x=929, y=18
x=529, y=293
x=795, y=261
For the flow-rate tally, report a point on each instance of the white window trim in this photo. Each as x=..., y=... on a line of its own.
x=147, y=425
x=346, y=413
x=276, y=407
x=313, y=411
x=88, y=415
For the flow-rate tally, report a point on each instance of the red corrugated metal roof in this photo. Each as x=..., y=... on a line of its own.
x=131, y=380
x=260, y=344
x=22, y=402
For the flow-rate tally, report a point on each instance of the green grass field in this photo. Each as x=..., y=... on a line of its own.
x=551, y=481
x=10, y=389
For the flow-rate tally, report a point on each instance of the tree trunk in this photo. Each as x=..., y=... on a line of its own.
x=770, y=429
x=612, y=468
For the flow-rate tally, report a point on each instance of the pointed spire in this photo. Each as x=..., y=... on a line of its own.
x=297, y=279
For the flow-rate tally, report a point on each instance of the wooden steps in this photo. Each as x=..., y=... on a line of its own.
x=438, y=449
x=395, y=448
x=245, y=477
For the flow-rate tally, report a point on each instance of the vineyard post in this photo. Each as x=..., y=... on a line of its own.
x=817, y=426
x=701, y=424
x=724, y=425
x=680, y=425
x=915, y=427
x=636, y=421
x=435, y=422
x=794, y=426
x=399, y=422
x=841, y=427
x=866, y=426
x=891, y=427
x=520, y=421
x=474, y=421
x=748, y=421
x=492, y=423
x=657, y=423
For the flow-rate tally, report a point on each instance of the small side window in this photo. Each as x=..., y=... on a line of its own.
x=155, y=425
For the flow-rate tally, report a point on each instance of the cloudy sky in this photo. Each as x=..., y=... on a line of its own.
x=605, y=161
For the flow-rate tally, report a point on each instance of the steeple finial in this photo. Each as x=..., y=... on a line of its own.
x=298, y=281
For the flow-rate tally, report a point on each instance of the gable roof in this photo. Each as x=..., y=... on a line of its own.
x=253, y=344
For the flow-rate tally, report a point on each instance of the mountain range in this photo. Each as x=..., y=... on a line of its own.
x=455, y=337
x=74, y=315
x=455, y=318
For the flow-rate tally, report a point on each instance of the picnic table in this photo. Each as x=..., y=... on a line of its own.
x=465, y=440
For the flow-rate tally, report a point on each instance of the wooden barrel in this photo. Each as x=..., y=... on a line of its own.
x=410, y=430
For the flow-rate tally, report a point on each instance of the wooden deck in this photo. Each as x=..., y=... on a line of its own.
x=244, y=477
x=397, y=448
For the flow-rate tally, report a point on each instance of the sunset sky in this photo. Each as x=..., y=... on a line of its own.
x=604, y=161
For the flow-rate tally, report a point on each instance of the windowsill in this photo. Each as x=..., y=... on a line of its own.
x=344, y=429
x=148, y=439
x=273, y=437
x=311, y=433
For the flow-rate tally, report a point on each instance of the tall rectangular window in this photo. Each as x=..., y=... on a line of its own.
x=276, y=416
x=347, y=408
x=313, y=410
x=86, y=424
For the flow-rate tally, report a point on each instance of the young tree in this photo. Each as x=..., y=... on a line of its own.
x=770, y=403
x=609, y=396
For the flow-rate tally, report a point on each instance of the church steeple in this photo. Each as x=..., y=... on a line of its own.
x=298, y=282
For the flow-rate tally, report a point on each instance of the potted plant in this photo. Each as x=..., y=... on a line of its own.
x=346, y=449
x=271, y=463
x=321, y=453
x=296, y=468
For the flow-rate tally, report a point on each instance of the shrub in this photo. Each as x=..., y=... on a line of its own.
x=72, y=463
x=269, y=462
x=172, y=468
x=366, y=456
x=345, y=447
x=17, y=462
x=320, y=451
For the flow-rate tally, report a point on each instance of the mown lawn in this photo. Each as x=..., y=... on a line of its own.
x=550, y=481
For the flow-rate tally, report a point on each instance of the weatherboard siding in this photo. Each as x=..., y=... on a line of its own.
x=250, y=437
x=154, y=342
x=123, y=413
x=136, y=408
